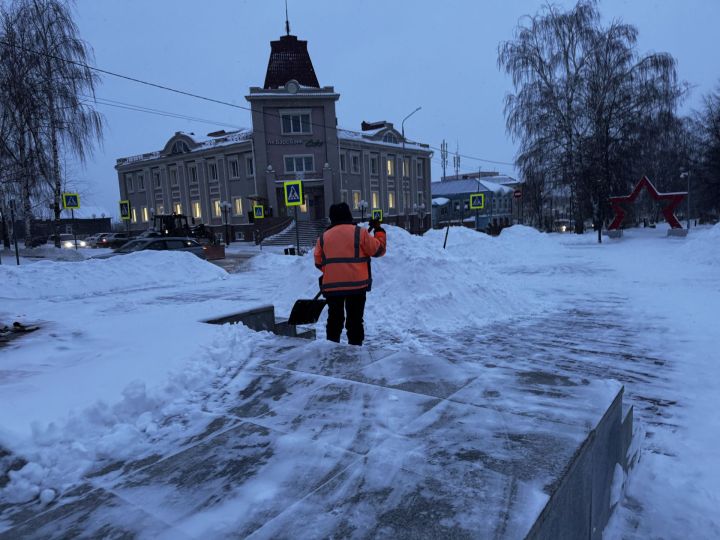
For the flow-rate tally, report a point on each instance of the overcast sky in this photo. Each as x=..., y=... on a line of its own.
x=384, y=57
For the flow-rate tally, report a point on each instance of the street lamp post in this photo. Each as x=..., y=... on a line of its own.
x=226, y=206
x=363, y=206
x=402, y=125
x=686, y=174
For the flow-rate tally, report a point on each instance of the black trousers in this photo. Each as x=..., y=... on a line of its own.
x=354, y=306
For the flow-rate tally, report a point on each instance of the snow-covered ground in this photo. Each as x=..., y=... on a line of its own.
x=122, y=366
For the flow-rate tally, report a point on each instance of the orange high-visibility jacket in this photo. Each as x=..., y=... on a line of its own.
x=343, y=254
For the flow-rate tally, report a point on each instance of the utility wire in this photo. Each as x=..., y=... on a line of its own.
x=205, y=98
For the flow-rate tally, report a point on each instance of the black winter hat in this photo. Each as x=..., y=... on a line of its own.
x=340, y=213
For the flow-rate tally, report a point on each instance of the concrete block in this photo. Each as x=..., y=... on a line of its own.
x=677, y=232
x=615, y=233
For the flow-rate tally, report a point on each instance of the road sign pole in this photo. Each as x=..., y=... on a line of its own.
x=72, y=220
x=297, y=231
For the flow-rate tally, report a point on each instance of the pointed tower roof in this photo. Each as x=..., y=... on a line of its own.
x=289, y=59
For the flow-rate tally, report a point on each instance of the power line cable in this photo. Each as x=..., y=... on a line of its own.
x=209, y=99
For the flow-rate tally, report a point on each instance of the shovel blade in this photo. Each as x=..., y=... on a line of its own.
x=306, y=311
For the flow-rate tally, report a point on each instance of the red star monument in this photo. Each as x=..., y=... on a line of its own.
x=669, y=202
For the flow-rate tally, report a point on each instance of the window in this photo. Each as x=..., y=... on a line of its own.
x=156, y=179
x=356, y=200
x=159, y=209
x=391, y=199
x=373, y=165
x=192, y=170
x=237, y=206
x=173, y=176
x=295, y=122
x=145, y=214
x=180, y=147
x=141, y=182
x=197, y=212
x=390, y=138
x=129, y=183
x=177, y=208
x=217, y=208
x=390, y=164
x=343, y=162
x=343, y=195
x=406, y=167
x=234, y=168
x=419, y=168
x=249, y=166
x=421, y=199
x=134, y=215
x=304, y=205
x=355, y=163
x=212, y=171
x=299, y=164
x=375, y=199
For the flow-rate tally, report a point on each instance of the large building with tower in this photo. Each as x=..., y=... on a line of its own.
x=295, y=135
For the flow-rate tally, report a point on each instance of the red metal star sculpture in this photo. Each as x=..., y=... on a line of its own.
x=670, y=201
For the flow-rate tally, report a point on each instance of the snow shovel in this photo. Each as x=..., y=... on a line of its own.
x=307, y=311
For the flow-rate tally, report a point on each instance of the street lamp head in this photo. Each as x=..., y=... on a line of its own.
x=684, y=174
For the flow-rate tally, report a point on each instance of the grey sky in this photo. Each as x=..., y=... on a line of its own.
x=384, y=57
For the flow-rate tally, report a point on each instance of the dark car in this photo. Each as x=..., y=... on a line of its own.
x=113, y=240
x=158, y=244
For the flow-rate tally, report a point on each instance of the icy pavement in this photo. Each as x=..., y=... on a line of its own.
x=331, y=441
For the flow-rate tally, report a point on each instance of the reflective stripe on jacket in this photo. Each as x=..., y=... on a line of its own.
x=343, y=254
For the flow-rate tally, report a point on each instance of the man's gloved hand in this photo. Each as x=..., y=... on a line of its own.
x=374, y=224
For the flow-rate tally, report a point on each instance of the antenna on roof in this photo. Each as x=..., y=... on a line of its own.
x=287, y=21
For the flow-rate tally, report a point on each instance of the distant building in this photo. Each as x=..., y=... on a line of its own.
x=451, y=200
x=294, y=135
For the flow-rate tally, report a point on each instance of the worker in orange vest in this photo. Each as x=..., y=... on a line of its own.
x=343, y=255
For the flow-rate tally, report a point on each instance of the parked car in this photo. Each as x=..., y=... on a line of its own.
x=158, y=244
x=67, y=241
x=113, y=240
x=95, y=241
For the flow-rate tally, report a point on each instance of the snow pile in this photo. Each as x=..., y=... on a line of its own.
x=702, y=246
x=419, y=288
x=50, y=252
x=56, y=280
x=141, y=423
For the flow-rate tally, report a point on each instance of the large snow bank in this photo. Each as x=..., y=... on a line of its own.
x=702, y=246
x=52, y=279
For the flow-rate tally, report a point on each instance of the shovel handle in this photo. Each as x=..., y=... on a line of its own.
x=317, y=295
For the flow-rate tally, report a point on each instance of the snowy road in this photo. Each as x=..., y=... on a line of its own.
x=641, y=311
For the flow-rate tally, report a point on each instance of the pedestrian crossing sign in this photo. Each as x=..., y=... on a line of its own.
x=477, y=201
x=377, y=214
x=293, y=193
x=71, y=201
x=125, y=210
x=259, y=211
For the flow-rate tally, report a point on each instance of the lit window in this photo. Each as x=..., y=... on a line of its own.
x=299, y=164
x=197, y=213
x=178, y=208
x=390, y=164
x=212, y=170
x=373, y=165
x=249, y=166
x=134, y=215
x=304, y=205
x=390, y=138
x=375, y=199
x=391, y=199
x=234, y=168
x=193, y=174
x=145, y=214
x=217, y=209
x=406, y=167
x=159, y=209
x=237, y=206
x=356, y=200
x=295, y=122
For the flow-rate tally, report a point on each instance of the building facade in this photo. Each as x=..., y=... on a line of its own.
x=451, y=201
x=218, y=177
